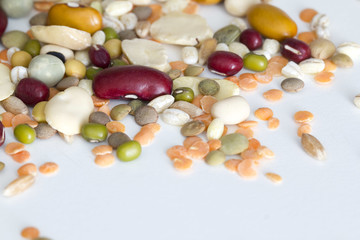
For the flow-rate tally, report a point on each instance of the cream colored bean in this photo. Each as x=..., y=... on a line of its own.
x=272, y=46
x=238, y=48
x=175, y=5
x=83, y=56
x=239, y=8
x=142, y=29
x=215, y=129
x=161, y=103
x=351, y=49
x=292, y=70
x=222, y=47
x=7, y=87
x=18, y=73
x=240, y=23
x=312, y=66
x=68, y=54
x=190, y=55
x=263, y=52
x=98, y=38
x=86, y=84
x=118, y=8
x=140, y=2
x=114, y=23
x=357, y=100
x=129, y=20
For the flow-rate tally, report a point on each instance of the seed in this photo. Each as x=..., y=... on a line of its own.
x=209, y=87
x=146, y=134
x=183, y=94
x=304, y=128
x=193, y=70
x=119, y=112
x=178, y=65
x=21, y=156
x=233, y=143
x=250, y=154
x=273, y=123
x=30, y=233
x=44, y=131
x=49, y=168
x=295, y=50
x=292, y=84
x=263, y=113
x=254, y=62
x=174, y=116
x=251, y=38
x=342, y=60
x=20, y=119
x=273, y=95
x=128, y=151
x=118, y=138
x=322, y=48
x=6, y=118
x=215, y=158
x=14, y=105
x=248, y=83
x=190, y=55
x=145, y=115
x=225, y=63
x=27, y=169
x=114, y=127
x=254, y=144
x=2, y=166
x=207, y=47
x=14, y=147
x=303, y=117
x=192, y=128
x=135, y=104
x=265, y=152
x=307, y=14
x=312, y=146
x=275, y=178
x=162, y=102
x=105, y=160
x=215, y=129
x=94, y=132
x=174, y=73
x=227, y=34
x=19, y=185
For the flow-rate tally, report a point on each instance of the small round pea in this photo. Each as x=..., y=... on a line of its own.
x=254, y=62
x=183, y=94
x=118, y=62
x=94, y=132
x=209, y=87
x=21, y=58
x=32, y=47
x=24, y=133
x=215, y=158
x=113, y=46
x=91, y=72
x=75, y=68
x=128, y=151
x=110, y=33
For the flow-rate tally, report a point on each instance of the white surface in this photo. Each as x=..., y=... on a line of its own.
x=148, y=199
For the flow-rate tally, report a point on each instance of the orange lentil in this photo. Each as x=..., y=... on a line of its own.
x=307, y=14
x=198, y=150
x=303, y=117
x=179, y=65
x=248, y=84
x=214, y=144
x=191, y=8
x=190, y=140
x=115, y=126
x=273, y=95
x=14, y=147
x=324, y=77
x=250, y=154
x=273, y=123
x=263, y=77
x=246, y=75
x=205, y=118
x=21, y=156
x=99, y=102
x=307, y=37
x=43, y=6
x=263, y=113
x=7, y=118
x=274, y=69
x=232, y=164
x=20, y=119
x=278, y=59
x=265, y=152
x=196, y=100
x=233, y=79
x=49, y=168
x=247, y=124
x=176, y=152
x=4, y=59
x=247, y=132
x=52, y=92
x=245, y=169
x=145, y=136
x=27, y=169
x=156, y=12
x=254, y=144
x=206, y=103
x=329, y=66
x=29, y=33
x=225, y=131
x=30, y=233
x=154, y=127
x=182, y=163
x=105, y=160
x=105, y=109
x=304, y=128
x=102, y=150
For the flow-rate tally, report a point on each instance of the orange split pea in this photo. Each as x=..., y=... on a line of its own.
x=304, y=128
x=182, y=163
x=7, y=118
x=102, y=150
x=263, y=113
x=105, y=160
x=329, y=66
x=248, y=124
x=324, y=77
x=14, y=147
x=205, y=118
x=307, y=14
x=263, y=77
x=49, y=168
x=273, y=95
x=214, y=144
x=196, y=100
x=247, y=132
x=114, y=126
x=233, y=79
x=232, y=164
x=178, y=65
x=307, y=37
x=247, y=82
x=190, y=140
x=99, y=102
x=30, y=233
x=23, y=119
x=303, y=117
x=265, y=152
x=254, y=144
x=206, y=102
x=105, y=109
x=155, y=13
x=21, y=156
x=273, y=123
x=176, y=151
x=245, y=169
x=191, y=8
x=198, y=150
x=146, y=134
x=27, y=169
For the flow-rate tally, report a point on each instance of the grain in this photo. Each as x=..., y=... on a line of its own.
x=275, y=178
x=313, y=147
x=19, y=185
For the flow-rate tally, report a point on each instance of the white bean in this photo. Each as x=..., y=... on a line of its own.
x=98, y=38
x=175, y=117
x=190, y=55
x=18, y=73
x=129, y=20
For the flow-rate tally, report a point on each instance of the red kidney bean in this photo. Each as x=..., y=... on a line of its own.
x=251, y=38
x=295, y=50
x=225, y=63
x=99, y=56
x=131, y=82
x=31, y=91
x=2, y=134
x=3, y=22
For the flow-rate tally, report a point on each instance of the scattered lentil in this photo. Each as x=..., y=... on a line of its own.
x=49, y=168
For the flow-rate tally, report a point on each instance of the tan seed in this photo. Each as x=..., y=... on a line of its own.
x=193, y=128
x=312, y=146
x=275, y=178
x=19, y=185
x=2, y=166
x=193, y=71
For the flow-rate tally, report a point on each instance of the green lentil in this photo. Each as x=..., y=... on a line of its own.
x=32, y=47
x=128, y=151
x=234, y=143
x=208, y=87
x=183, y=94
x=215, y=158
x=24, y=133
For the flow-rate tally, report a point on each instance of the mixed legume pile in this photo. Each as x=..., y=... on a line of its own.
x=59, y=76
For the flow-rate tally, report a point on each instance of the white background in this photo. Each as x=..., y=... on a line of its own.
x=148, y=199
